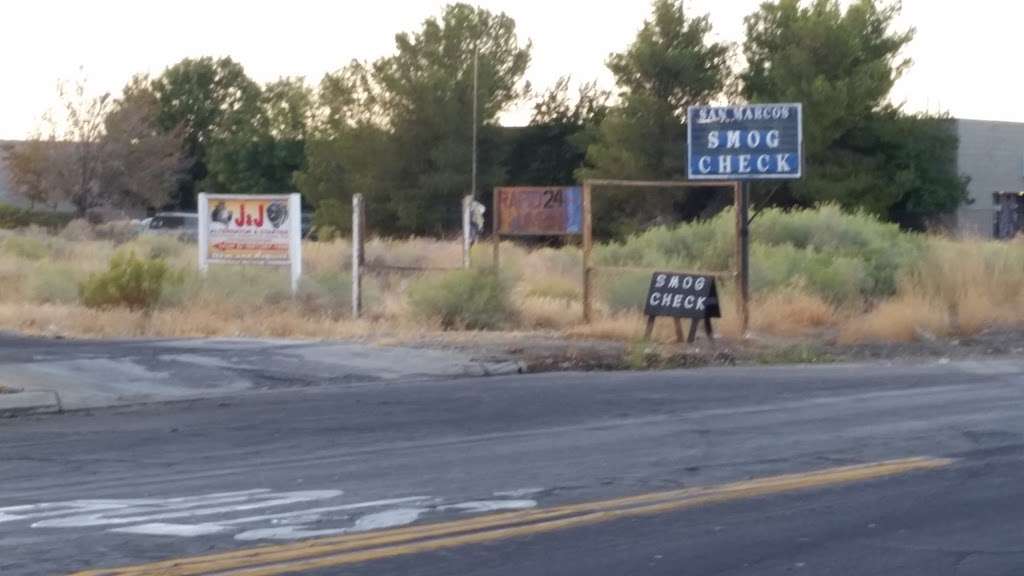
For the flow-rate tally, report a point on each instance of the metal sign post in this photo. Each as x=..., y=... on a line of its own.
x=740, y=144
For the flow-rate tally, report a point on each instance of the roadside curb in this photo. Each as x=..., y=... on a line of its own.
x=26, y=403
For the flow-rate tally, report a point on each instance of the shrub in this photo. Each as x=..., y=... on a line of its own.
x=327, y=293
x=552, y=286
x=78, y=230
x=12, y=217
x=157, y=246
x=26, y=247
x=624, y=290
x=52, y=283
x=129, y=281
x=473, y=299
x=332, y=219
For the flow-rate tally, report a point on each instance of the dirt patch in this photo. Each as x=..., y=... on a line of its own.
x=547, y=353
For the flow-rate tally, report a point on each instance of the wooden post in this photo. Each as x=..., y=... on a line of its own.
x=495, y=230
x=742, y=193
x=467, y=229
x=588, y=245
x=358, y=258
x=650, y=328
x=692, y=337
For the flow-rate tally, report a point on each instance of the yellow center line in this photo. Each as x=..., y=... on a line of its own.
x=351, y=549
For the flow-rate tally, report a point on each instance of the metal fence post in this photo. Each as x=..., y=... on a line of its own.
x=588, y=244
x=467, y=229
x=357, y=255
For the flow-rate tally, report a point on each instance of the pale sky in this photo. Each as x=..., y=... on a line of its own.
x=965, y=53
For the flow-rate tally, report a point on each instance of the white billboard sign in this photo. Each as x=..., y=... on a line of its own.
x=250, y=229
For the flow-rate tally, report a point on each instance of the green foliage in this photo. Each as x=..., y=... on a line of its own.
x=326, y=293
x=860, y=152
x=843, y=257
x=260, y=150
x=671, y=65
x=427, y=90
x=157, y=247
x=208, y=99
x=473, y=299
x=26, y=247
x=129, y=281
x=553, y=147
x=554, y=286
x=332, y=219
x=12, y=217
x=53, y=284
x=624, y=290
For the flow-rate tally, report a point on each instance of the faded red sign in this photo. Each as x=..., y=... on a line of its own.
x=536, y=211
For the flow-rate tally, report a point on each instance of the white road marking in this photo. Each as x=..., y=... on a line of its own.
x=221, y=513
x=162, y=529
x=519, y=493
x=490, y=505
x=317, y=511
x=385, y=519
x=104, y=519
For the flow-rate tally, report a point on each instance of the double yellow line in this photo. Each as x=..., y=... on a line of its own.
x=352, y=549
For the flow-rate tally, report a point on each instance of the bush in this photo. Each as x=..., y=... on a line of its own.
x=552, y=286
x=332, y=219
x=157, y=246
x=78, y=230
x=842, y=257
x=26, y=247
x=624, y=290
x=328, y=293
x=12, y=217
x=473, y=299
x=53, y=284
x=129, y=281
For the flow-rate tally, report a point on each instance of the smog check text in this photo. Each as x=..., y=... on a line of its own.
x=745, y=151
x=676, y=282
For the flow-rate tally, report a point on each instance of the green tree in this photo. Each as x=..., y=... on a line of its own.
x=671, y=65
x=206, y=98
x=349, y=151
x=553, y=147
x=259, y=154
x=859, y=150
x=426, y=93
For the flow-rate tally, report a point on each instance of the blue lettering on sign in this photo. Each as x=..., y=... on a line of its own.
x=750, y=142
x=573, y=210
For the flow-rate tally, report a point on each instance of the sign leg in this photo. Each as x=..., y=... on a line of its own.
x=693, y=331
x=679, y=329
x=650, y=328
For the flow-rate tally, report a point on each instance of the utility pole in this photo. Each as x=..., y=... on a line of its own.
x=476, y=75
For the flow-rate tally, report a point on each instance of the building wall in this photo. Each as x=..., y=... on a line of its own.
x=992, y=156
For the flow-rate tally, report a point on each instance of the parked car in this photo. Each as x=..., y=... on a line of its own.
x=183, y=225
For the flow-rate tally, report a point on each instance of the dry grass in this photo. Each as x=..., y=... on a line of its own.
x=902, y=319
x=956, y=287
x=791, y=313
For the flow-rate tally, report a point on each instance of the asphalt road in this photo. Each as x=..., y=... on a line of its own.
x=689, y=472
